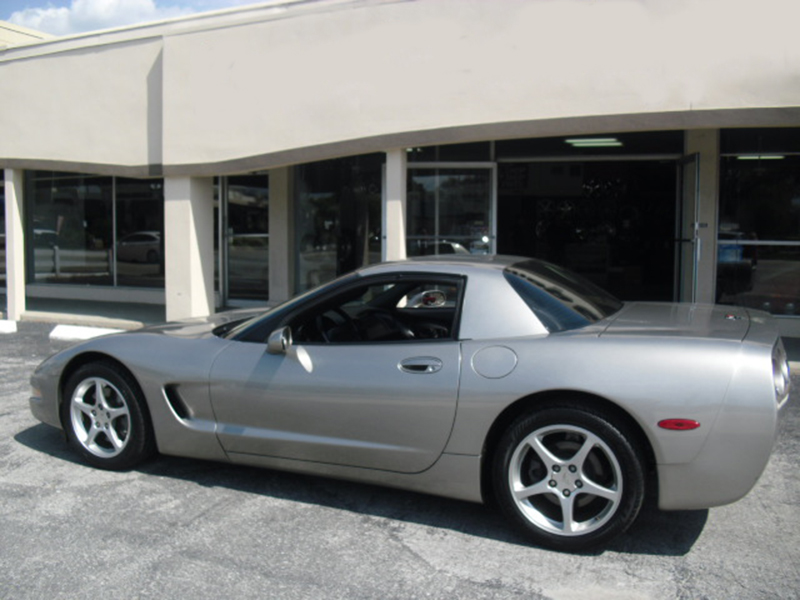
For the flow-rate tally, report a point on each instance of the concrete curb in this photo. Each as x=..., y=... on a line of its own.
x=8, y=326
x=80, y=320
x=79, y=332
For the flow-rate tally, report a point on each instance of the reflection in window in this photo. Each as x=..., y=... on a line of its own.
x=248, y=237
x=70, y=229
x=449, y=211
x=561, y=299
x=96, y=230
x=758, y=260
x=337, y=217
x=140, y=232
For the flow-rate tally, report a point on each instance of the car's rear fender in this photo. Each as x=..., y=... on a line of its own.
x=739, y=445
x=648, y=379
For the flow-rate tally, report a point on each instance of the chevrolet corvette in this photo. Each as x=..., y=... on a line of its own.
x=472, y=377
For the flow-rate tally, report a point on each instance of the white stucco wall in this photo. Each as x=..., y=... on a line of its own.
x=94, y=106
x=389, y=69
x=265, y=87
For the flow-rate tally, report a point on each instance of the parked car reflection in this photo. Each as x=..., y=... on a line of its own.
x=734, y=268
x=140, y=246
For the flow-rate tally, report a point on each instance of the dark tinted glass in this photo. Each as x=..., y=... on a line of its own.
x=337, y=217
x=248, y=237
x=758, y=259
x=759, y=141
x=140, y=232
x=760, y=199
x=560, y=299
x=69, y=228
x=651, y=142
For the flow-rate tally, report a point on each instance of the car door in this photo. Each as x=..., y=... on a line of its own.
x=379, y=404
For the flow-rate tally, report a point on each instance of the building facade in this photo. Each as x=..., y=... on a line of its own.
x=246, y=155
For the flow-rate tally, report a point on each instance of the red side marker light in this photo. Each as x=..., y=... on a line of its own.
x=678, y=424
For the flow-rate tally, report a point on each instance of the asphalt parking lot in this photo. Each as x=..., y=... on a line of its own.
x=180, y=528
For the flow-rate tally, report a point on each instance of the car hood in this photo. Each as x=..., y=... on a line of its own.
x=680, y=320
x=202, y=326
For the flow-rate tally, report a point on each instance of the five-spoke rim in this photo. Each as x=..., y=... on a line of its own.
x=100, y=417
x=565, y=480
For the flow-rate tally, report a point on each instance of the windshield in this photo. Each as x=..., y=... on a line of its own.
x=259, y=327
x=561, y=299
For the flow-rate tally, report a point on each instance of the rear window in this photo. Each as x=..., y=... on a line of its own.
x=561, y=299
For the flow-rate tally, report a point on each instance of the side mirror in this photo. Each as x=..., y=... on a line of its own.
x=279, y=340
x=433, y=298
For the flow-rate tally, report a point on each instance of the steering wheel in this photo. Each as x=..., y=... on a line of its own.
x=326, y=324
x=389, y=320
x=432, y=331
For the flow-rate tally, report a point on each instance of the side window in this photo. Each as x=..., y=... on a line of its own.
x=397, y=310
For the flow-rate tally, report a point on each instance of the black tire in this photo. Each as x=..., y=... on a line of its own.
x=114, y=433
x=585, y=466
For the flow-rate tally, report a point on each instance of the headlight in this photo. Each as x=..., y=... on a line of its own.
x=780, y=372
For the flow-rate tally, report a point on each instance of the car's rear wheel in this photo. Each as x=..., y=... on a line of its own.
x=569, y=476
x=106, y=418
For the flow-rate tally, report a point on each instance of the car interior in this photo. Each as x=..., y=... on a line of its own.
x=383, y=312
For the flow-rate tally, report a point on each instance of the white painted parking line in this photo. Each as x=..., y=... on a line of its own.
x=76, y=332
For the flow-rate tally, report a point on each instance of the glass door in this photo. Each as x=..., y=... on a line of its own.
x=451, y=209
x=612, y=221
x=337, y=217
x=245, y=233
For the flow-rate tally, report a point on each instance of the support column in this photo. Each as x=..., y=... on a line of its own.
x=281, y=235
x=189, y=246
x=394, y=206
x=705, y=142
x=15, y=246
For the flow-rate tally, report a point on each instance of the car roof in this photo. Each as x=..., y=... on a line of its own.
x=454, y=262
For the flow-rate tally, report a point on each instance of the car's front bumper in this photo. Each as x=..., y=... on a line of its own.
x=44, y=410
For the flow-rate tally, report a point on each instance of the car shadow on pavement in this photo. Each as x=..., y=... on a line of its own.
x=654, y=533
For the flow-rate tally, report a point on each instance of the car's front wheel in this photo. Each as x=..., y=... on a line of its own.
x=569, y=476
x=105, y=417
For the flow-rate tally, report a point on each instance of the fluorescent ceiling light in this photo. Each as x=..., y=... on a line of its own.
x=593, y=142
x=597, y=145
x=761, y=157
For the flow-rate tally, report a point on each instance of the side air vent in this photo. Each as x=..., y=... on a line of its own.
x=175, y=401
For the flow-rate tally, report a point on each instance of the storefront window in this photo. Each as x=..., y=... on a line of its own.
x=337, y=217
x=90, y=229
x=449, y=211
x=248, y=237
x=70, y=228
x=611, y=221
x=758, y=262
x=241, y=226
x=140, y=232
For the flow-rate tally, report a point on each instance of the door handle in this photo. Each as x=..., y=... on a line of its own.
x=420, y=365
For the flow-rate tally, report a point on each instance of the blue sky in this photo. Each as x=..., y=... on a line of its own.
x=65, y=17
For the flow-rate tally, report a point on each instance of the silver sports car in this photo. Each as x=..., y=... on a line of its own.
x=470, y=377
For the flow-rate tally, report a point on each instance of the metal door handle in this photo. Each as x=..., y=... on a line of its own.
x=420, y=365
